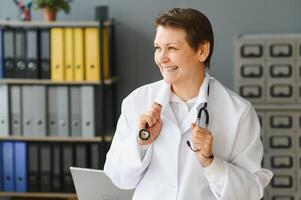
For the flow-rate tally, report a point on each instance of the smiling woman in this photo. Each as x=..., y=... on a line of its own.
x=224, y=155
x=180, y=65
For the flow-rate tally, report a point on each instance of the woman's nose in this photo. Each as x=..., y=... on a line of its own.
x=163, y=57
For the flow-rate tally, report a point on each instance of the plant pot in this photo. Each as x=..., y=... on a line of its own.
x=49, y=14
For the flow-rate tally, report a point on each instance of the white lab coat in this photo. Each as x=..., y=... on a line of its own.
x=169, y=170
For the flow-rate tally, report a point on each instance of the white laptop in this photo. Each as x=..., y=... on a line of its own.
x=91, y=184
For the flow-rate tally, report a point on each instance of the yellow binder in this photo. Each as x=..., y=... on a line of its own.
x=57, y=54
x=92, y=54
x=78, y=54
x=69, y=67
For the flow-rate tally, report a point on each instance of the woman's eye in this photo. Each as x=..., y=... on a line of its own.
x=172, y=48
x=157, y=48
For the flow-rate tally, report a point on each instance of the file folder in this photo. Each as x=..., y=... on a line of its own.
x=20, y=48
x=20, y=166
x=56, y=181
x=27, y=110
x=9, y=53
x=68, y=161
x=75, y=103
x=1, y=166
x=4, y=107
x=39, y=110
x=45, y=164
x=33, y=182
x=87, y=111
x=69, y=58
x=52, y=116
x=32, y=65
x=79, y=54
x=15, y=95
x=57, y=54
x=97, y=155
x=44, y=48
x=8, y=167
x=63, y=111
x=81, y=155
x=92, y=52
x=106, y=52
x=1, y=54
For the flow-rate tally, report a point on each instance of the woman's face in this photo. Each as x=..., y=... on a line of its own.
x=177, y=61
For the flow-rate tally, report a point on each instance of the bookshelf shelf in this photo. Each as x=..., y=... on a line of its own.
x=107, y=81
x=38, y=195
x=51, y=139
x=43, y=24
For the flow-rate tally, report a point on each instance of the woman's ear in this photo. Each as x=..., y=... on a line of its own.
x=203, y=51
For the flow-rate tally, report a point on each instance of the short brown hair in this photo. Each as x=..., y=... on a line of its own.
x=196, y=25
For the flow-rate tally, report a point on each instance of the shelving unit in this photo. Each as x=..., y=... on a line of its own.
x=104, y=86
x=268, y=74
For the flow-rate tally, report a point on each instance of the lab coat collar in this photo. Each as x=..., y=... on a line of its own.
x=164, y=94
x=203, y=92
x=163, y=97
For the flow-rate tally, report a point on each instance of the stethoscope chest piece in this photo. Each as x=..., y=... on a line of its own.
x=144, y=134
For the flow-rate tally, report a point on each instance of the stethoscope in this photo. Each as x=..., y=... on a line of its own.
x=144, y=133
x=198, y=121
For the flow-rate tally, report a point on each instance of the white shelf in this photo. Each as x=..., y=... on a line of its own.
x=107, y=81
x=52, y=138
x=44, y=24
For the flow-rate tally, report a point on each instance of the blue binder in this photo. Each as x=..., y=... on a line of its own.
x=1, y=55
x=1, y=167
x=8, y=166
x=20, y=166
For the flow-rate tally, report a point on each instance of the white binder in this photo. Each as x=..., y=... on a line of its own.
x=63, y=111
x=39, y=110
x=15, y=123
x=87, y=111
x=75, y=112
x=52, y=120
x=27, y=107
x=4, y=114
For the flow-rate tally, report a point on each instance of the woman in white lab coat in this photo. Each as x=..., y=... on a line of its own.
x=187, y=154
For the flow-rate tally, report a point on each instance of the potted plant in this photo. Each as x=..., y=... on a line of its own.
x=51, y=7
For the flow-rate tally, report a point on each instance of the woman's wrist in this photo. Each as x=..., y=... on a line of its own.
x=206, y=160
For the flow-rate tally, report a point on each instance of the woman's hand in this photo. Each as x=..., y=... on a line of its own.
x=153, y=118
x=202, y=141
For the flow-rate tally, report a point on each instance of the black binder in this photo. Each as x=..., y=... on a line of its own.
x=97, y=155
x=81, y=157
x=68, y=161
x=45, y=165
x=32, y=56
x=20, y=49
x=33, y=181
x=9, y=53
x=56, y=181
x=44, y=48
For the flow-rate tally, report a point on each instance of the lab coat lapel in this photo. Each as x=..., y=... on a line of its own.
x=162, y=98
x=202, y=98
